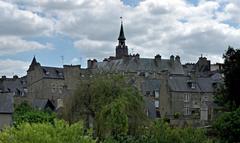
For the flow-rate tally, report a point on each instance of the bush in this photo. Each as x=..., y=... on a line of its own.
x=25, y=113
x=161, y=132
x=60, y=132
x=227, y=126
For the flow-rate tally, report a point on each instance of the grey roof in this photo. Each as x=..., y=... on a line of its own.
x=13, y=84
x=134, y=64
x=206, y=84
x=53, y=72
x=180, y=83
x=6, y=103
x=151, y=85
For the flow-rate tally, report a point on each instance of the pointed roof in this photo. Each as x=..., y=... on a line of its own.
x=34, y=61
x=33, y=64
x=121, y=34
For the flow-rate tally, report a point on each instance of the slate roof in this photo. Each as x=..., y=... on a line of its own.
x=13, y=84
x=180, y=83
x=6, y=103
x=53, y=72
x=151, y=85
x=134, y=64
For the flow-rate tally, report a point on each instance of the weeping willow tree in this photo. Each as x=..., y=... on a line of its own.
x=108, y=103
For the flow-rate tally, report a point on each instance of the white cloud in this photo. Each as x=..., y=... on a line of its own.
x=17, y=22
x=10, y=45
x=75, y=61
x=95, y=49
x=153, y=27
x=11, y=67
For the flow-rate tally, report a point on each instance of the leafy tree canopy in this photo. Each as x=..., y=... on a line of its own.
x=227, y=126
x=229, y=94
x=110, y=102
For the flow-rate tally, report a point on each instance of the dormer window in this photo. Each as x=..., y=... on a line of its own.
x=46, y=72
x=156, y=93
x=59, y=73
x=191, y=84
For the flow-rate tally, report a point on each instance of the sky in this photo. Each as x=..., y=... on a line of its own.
x=61, y=32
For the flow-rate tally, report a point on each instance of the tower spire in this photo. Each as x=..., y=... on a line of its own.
x=121, y=37
x=121, y=48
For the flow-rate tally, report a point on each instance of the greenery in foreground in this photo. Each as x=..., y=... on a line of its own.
x=59, y=132
x=62, y=132
x=25, y=113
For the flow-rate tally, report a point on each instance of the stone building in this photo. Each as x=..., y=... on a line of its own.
x=168, y=86
x=6, y=109
x=45, y=82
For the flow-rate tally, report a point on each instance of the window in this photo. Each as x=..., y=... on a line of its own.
x=186, y=109
x=186, y=97
x=25, y=90
x=147, y=93
x=193, y=85
x=158, y=115
x=60, y=90
x=156, y=93
x=156, y=104
x=53, y=87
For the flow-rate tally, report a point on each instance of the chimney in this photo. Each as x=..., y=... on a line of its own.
x=15, y=77
x=172, y=59
x=92, y=63
x=89, y=64
x=158, y=57
x=4, y=77
x=177, y=58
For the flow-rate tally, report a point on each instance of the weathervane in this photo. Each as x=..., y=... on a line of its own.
x=121, y=19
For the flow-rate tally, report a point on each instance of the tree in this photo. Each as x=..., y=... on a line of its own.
x=229, y=94
x=59, y=132
x=25, y=113
x=113, y=105
x=227, y=126
x=161, y=132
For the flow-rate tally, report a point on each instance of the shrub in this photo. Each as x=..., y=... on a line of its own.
x=60, y=132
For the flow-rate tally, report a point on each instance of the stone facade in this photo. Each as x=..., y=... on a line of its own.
x=168, y=87
x=6, y=109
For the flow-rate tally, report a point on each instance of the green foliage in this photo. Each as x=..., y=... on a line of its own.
x=60, y=132
x=176, y=115
x=161, y=132
x=227, y=126
x=228, y=95
x=25, y=113
x=115, y=106
x=113, y=118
